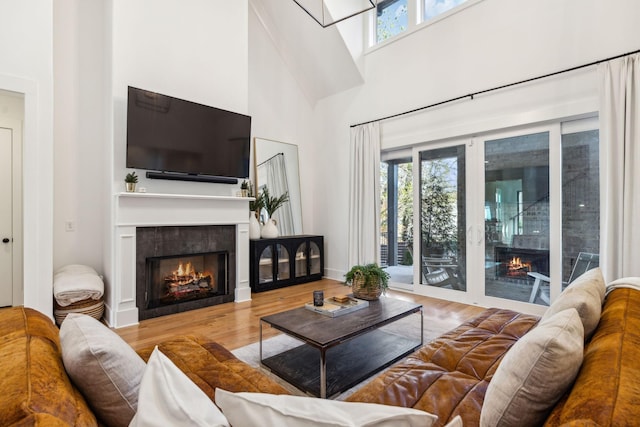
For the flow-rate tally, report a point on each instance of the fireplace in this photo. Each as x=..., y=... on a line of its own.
x=180, y=268
x=515, y=263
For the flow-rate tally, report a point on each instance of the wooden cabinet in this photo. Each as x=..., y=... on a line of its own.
x=285, y=261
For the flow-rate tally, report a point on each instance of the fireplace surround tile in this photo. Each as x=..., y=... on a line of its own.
x=152, y=242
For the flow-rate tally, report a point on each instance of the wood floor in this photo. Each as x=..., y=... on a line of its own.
x=235, y=325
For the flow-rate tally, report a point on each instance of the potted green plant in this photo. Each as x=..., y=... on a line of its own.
x=272, y=204
x=244, y=188
x=131, y=179
x=255, y=206
x=367, y=281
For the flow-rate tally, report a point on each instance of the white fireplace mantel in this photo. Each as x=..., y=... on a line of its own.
x=154, y=210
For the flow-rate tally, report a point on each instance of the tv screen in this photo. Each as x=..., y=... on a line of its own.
x=168, y=134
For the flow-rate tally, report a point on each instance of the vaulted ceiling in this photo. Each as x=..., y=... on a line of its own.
x=318, y=58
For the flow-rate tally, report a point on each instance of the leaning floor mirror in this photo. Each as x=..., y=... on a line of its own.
x=276, y=167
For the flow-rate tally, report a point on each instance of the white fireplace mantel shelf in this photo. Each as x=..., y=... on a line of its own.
x=155, y=210
x=183, y=196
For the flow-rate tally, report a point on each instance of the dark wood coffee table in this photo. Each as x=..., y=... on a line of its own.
x=339, y=352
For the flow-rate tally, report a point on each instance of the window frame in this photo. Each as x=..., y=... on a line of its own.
x=415, y=22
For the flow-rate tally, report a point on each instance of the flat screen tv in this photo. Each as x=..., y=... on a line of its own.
x=167, y=134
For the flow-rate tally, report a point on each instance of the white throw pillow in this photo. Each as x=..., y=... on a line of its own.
x=535, y=373
x=104, y=367
x=260, y=409
x=586, y=295
x=455, y=422
x=169, y=398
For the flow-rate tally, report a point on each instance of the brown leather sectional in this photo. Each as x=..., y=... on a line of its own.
x=448, y=377
x=36, y=390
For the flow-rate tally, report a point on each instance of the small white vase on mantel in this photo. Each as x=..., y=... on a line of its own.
x=269, y=229
x=254, y=226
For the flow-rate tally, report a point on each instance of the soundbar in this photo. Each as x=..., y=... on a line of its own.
x=186, y=177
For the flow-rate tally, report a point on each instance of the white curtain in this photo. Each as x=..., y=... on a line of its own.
x=364, y=195
x=275, y=172
x=620, y=166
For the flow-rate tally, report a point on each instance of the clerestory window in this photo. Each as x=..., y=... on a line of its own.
x=396, y=17
x=433, y=8
x=391, y=19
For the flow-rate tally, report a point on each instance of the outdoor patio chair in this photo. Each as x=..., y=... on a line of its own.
x=585, y=262
x=440, y=271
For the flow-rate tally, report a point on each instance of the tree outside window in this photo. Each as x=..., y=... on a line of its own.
x=391, y=19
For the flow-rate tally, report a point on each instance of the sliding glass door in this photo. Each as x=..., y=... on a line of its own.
x=505, y=219
x=516, y=215
x=396, y=219
x=442, y=219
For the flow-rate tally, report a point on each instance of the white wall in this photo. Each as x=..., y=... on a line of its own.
x=492, y=43
x=195, y=50
x=26, y=67
x=80, y=132
x=198, y=51
x=280, y=111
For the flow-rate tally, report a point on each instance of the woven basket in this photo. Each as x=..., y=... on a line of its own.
x=90, y=307
x=360, y=291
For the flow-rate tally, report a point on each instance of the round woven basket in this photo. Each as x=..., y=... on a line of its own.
x=90, y=307
x=360, y=291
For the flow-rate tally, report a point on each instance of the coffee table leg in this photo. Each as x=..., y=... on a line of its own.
x=260, y=341
x=323, y=373
x=421, y=326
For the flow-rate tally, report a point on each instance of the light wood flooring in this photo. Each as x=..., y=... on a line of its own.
x=235, y=325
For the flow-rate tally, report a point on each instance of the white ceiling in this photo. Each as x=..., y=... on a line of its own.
x=317, y=57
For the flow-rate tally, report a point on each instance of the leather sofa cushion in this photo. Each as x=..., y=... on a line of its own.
x=35, y=387
x=212, y=366
x=449, y=376
x=606, y=390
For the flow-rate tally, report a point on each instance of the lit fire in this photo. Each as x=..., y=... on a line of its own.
x=186, y=272
x=187, y=279
x=517, y=267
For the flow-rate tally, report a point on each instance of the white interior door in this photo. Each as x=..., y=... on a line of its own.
x=6, y=214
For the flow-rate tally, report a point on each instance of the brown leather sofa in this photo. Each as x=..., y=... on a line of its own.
x=36, y=390
x=448, y=377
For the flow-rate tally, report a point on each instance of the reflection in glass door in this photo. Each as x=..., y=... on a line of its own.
x=443, y=218
x=516, y=215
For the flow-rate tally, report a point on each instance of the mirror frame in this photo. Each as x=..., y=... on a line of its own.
x=292, y=165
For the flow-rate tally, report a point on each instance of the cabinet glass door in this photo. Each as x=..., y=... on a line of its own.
x=284, y=270
x=314, y=257
x=265, y=266
x=301, y=260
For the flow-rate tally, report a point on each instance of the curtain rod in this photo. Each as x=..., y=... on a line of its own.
x=270, y=158
x=471, y=95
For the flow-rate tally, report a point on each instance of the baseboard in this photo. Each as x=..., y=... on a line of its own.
x=333, y=274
